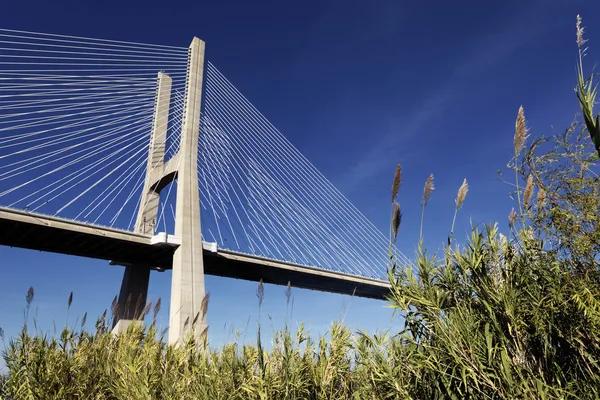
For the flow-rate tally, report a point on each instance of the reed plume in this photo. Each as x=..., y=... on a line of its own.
x=397, y=182
x=395, y=189
x=521, y=132
x=288, y=293
x=396, y=220
x=462, y=193
x=146, y=310
x=512, y=217
x=528, y=191
x=156, y=308
x=260, y=292
x=586, y=92
x=521, y=135
x=460, y=199
x=138, y=305
x=427, y=191
x=29, y=297
x=28, y=301
x=541, y=198
x=580, y=31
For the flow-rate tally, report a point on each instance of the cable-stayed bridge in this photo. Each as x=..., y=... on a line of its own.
x=147, y=156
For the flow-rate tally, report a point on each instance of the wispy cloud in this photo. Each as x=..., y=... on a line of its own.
x=488, y=50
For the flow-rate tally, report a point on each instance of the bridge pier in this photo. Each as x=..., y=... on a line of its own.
x=132, y=297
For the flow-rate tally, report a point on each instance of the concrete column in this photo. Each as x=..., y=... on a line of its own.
x=134, y=287
x=134, y=292
x=187, y=286
x=148, y=212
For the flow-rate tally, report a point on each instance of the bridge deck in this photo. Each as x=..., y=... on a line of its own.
x=45, y=233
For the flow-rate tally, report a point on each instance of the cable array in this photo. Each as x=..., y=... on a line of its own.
x=75, y=121
x=261, y=196
x=76, y=118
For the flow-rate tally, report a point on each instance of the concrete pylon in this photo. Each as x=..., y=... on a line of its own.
x=134, y=287
x=148, y=211
x=187, y=285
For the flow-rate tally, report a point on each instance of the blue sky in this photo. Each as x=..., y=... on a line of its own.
x=357, y=87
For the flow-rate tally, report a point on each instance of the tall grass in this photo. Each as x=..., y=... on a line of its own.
x=512, y=316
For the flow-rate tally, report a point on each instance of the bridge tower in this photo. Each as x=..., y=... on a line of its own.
x=187, y=285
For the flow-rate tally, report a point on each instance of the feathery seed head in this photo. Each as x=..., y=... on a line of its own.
x=427, y=190
x=204, y=306
x=521, y=132
x=138, y=304
x=397, y=182
x=260, y=292
x=157, y=307
x=114, y=307
x=541, y=198
x=204, y=336
x=288, y=292
x=580, y=31
x=128, y=301
x=70, y=300
x=29, y=296
x=396, y=220
x=462, y=193
x=502, y=239
x=146, y=310
x=528, y=191
x=512, y=217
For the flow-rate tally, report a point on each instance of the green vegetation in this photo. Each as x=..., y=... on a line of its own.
x=500, y=317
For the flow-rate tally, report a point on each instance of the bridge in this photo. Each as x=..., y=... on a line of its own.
x=148, y=156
